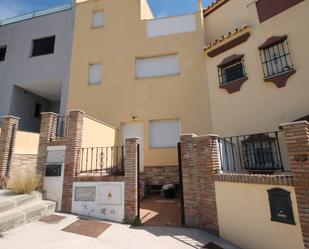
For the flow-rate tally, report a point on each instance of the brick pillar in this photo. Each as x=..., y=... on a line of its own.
x=190, y=181
x=72, y=156
x=297, y=140
x=47, y=133
x=9, y=127
x=200, y=164
x=130, y=179
x=207, y=158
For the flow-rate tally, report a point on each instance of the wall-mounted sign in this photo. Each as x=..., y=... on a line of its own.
x=109, y=194
x=281, y=206
x=85, y=193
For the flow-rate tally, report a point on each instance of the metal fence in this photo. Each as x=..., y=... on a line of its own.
x=260, y=153
x=101, y=161
x=60, y=127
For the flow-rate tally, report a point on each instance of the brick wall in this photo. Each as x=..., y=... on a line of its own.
x=297, y=140
x=199, y=166
x=47, y=134
x=160, y=175
x=72, y=156
x=131, y=188
x=9, y=126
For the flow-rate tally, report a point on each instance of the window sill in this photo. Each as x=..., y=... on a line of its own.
x=280, y=79
x=233, y=86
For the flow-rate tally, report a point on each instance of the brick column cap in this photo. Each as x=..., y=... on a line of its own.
x=208, y=136
x=187, y=136
x=10, y=117
x=76, y=110
x=132, y=139
x=302, y=122
x=49, y=113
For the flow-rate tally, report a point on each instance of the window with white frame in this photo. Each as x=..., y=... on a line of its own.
x=95, y=71
x=158, y=66
x=164, y=133
x=98, y=19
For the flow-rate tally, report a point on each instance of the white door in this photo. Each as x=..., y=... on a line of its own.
x=130, y=130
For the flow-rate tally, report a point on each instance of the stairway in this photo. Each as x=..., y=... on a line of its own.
x=16, y=210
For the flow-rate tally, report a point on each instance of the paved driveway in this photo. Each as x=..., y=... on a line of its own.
x=40, y=235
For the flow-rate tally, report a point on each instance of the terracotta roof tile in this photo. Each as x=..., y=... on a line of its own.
x=227, y=36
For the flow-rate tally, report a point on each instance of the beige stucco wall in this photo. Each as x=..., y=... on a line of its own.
x=121, y=95
x=244, y=217
x=98, y=134
x=259, y=106
x=26, y=143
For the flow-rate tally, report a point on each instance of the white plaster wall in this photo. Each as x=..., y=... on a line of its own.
x=54, y=185
x=171, y=25
x=108, y=203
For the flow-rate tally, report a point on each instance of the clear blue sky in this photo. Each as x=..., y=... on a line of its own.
x=9, y=8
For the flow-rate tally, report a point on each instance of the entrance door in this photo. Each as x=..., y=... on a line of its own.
x=130, y=130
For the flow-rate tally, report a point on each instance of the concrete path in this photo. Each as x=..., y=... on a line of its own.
x=40, y=235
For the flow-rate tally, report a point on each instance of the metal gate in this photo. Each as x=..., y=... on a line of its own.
x=182, y=205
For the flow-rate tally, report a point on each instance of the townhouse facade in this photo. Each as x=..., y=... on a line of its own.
x=144, y=76
x=35, y=53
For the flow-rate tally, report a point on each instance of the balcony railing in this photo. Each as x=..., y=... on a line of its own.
x=35, y=14
x=255, y=153
x=101, y=161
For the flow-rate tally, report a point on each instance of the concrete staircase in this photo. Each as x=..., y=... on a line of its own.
x=16, y=210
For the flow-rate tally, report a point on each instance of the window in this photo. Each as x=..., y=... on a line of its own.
x=43, y=46
x=98, y=19
x=37, y=110
x=164, y=133
x=94, y=74
x=275, y=56
x=157, y=66
x=260, y=152
x=2, y=53
x=231, y=69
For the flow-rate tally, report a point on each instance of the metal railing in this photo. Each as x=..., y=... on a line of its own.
x=60, y=127
x=256, y=153
x=101, y=161
x=35, y=14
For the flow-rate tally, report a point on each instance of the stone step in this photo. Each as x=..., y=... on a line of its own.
x=12, y=201
x=25, y=213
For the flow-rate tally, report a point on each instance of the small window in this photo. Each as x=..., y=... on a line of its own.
x=98, y=19
x=94, y=74
x=2, y=53
x=231, y=70
x=37, y=110
x=43, y=46
x=275, y=56
x=164, y=133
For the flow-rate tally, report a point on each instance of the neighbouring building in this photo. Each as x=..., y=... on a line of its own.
x=35, y=53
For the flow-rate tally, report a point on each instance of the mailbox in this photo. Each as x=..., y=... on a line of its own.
x=53, y=170
x=281, y=206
